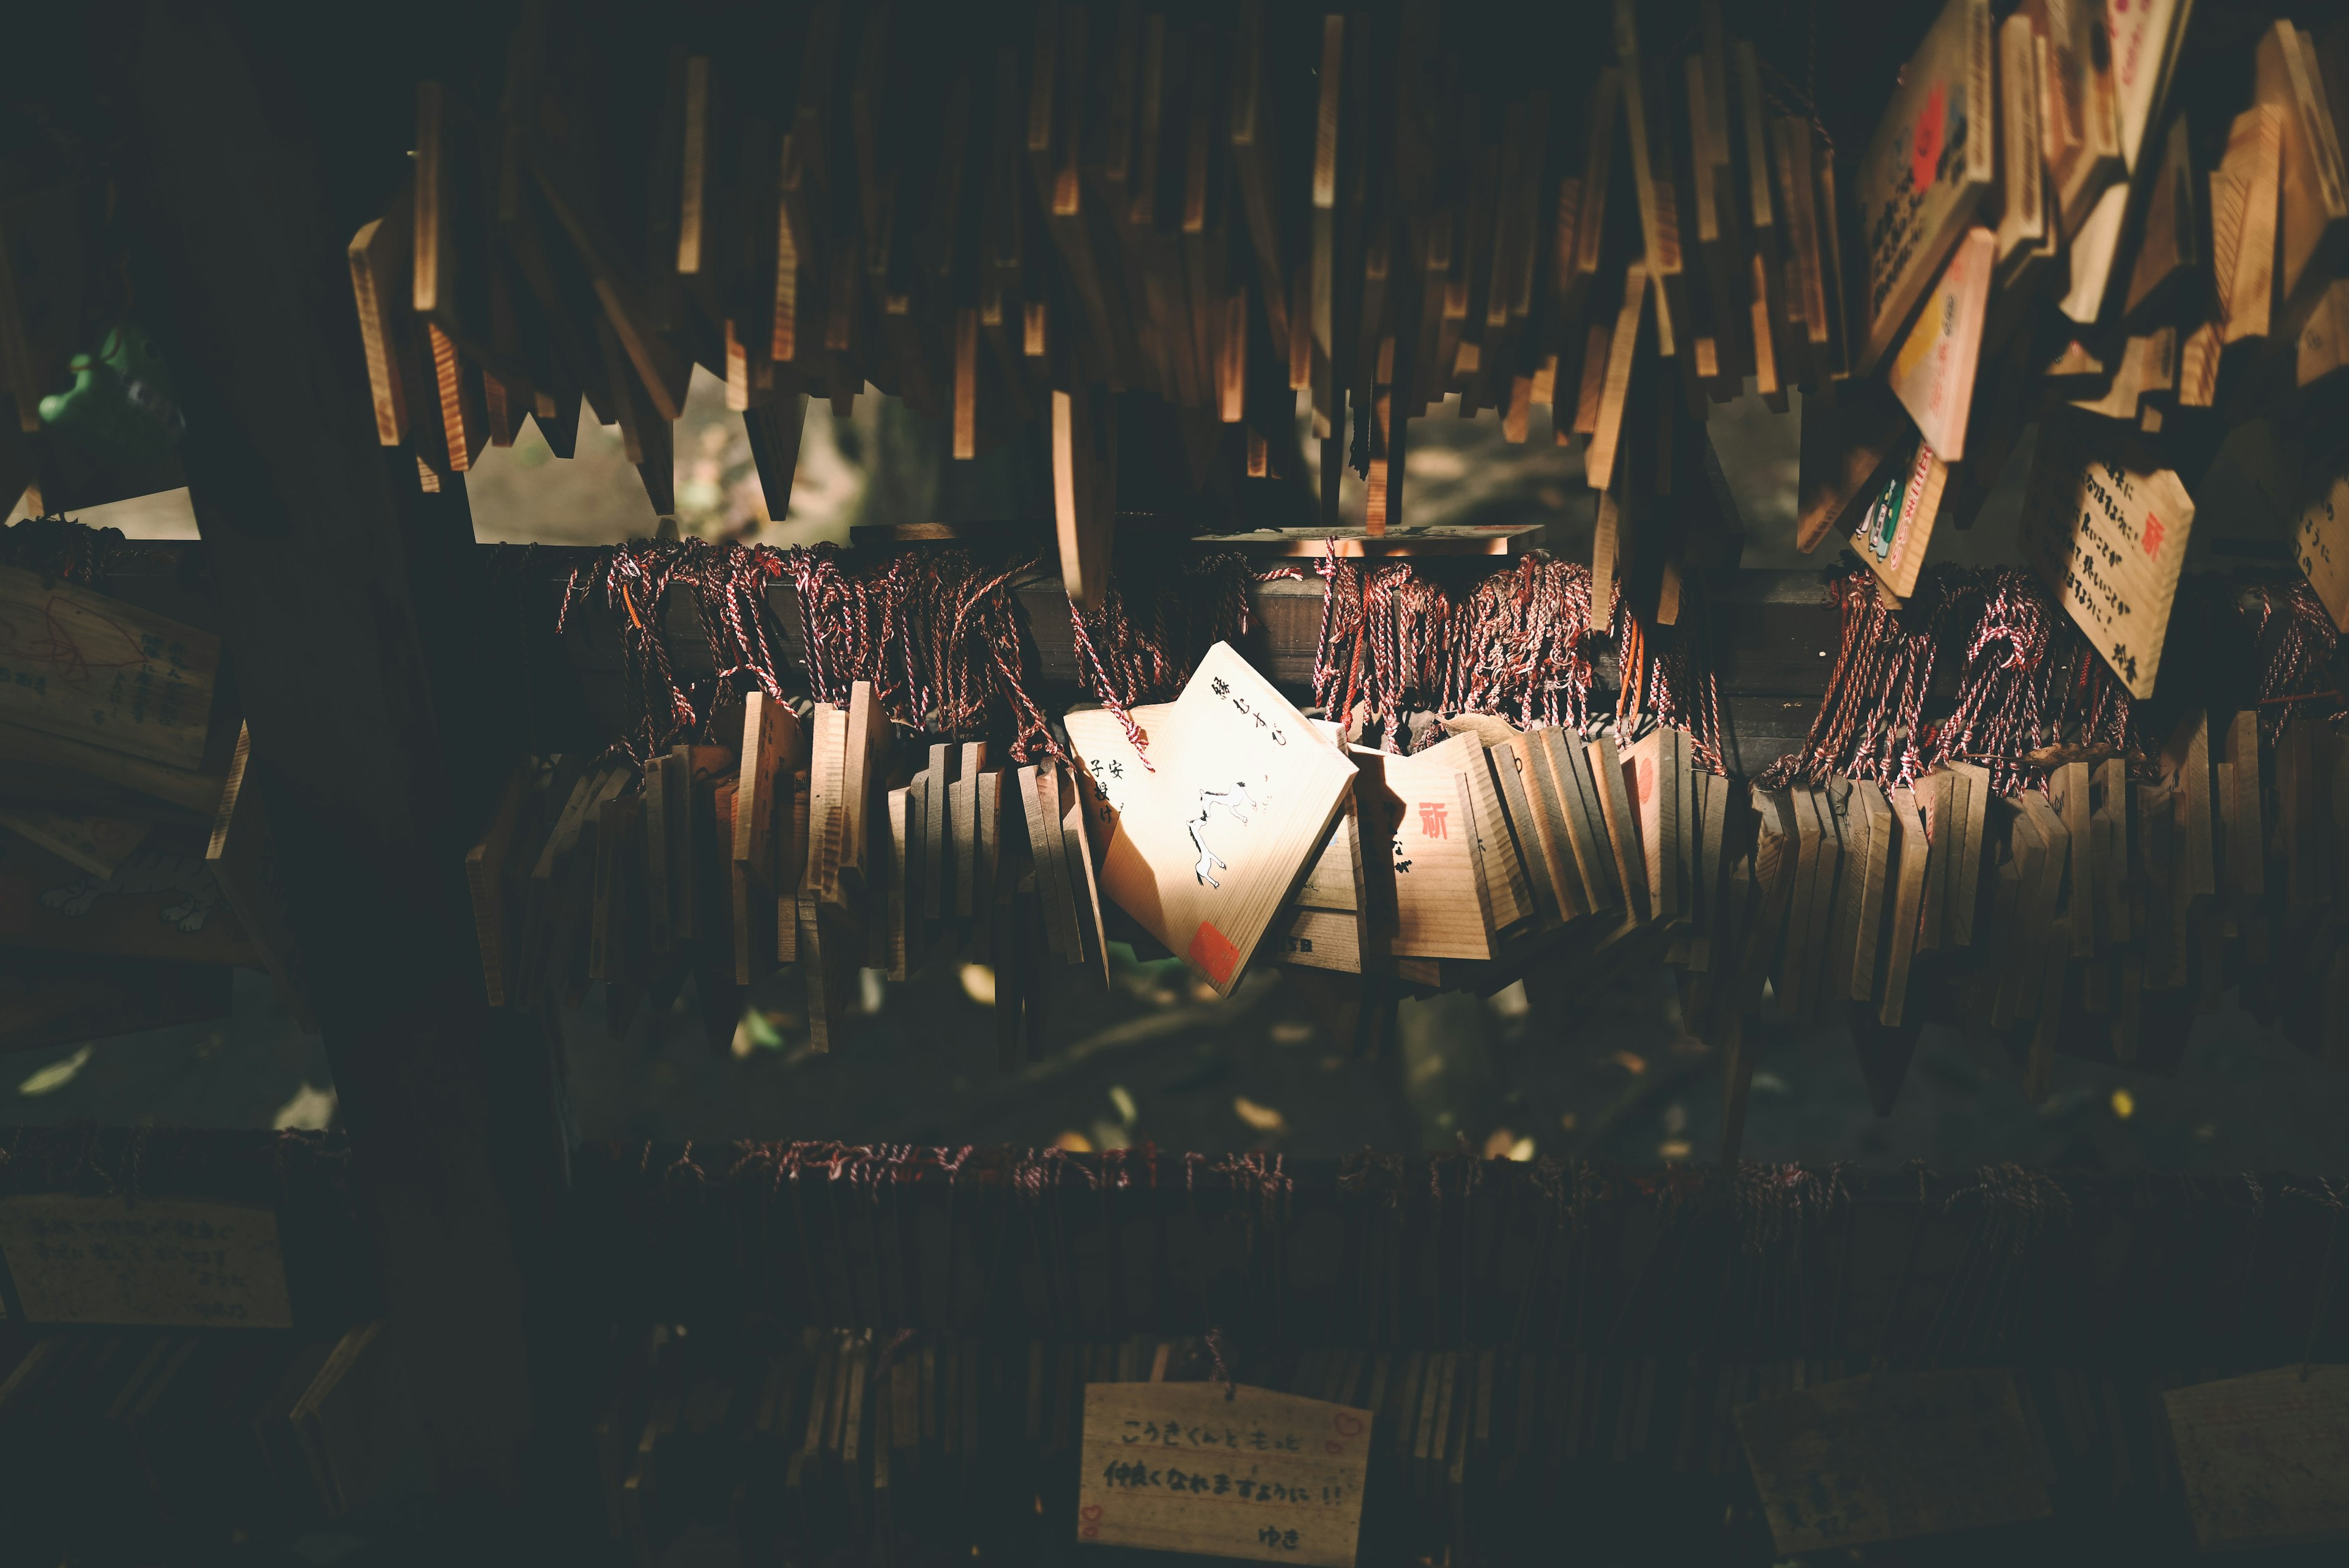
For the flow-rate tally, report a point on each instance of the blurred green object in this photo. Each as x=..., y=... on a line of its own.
x=122, y=409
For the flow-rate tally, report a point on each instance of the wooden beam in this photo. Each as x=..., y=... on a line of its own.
x=347, y=601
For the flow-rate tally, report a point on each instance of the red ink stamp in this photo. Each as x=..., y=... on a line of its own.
x=1925, y=143
x=1214, y=953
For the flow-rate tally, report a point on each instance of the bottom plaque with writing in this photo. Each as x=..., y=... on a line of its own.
x=1892, y=1456
x=1227, y=1471
x=160, y=1262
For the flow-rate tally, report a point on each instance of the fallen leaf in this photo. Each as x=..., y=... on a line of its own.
x=308, y=1111
x=1263, y=1118
x=56, y=1075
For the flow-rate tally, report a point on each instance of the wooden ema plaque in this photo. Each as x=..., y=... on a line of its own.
x=2264, y=1460
x=1220, y=819
x=157, y=1263
x=2108, y=530
x=95, y=670
x=1889, y=1456
x=1930, y=165
x=2321, y=541
x=1223, y=1471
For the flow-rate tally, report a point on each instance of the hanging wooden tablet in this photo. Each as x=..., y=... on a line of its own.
x=1847, y=828
x=2297, y=832
x=1720, y=227
x=1321, y=928
x=1969, y=809
x=1651, y=186
x=1610, y=794
x=827, y=808
x=2322, y=345
x=2187, y=757
x=2171, y=270
x=380, y=255
x=2245, y=205
x=562, y=888
x=100, y=671
x=1615, y=384
x=2081, y=116
x=2042, y=857
x=897, y=966
x=827, y=965
x=1609, y=533
x=1835, y=361
x=1806, y=909
x=496, y=900
x=1774, y=329
x=770, y=755
x=1245, y=793
x=963, y=823
x=1912, y=863
x=1933, y=796
x=1928, y=167
x=2261, y=1457
x=2108, y=529
x=865, y=751
x=242, y=854
x=1895, y=531
x=1849, y=448
x=2069, y=790
x=792, y=868
x=1891, y=1457
x=1084, y=884
x=986, y=880
x=1013, y=927
x=886, y=871
x=2313, y=232
x=1716, y=799
x=2245, y=828
x=2048, y=941
x=658, y=821
x=1878, y=890
x=1526, y=767
x=1439, y=910
x=2020, y=206
x=690, y=769
x=1933, y=373
x=1655, y=796
x=614, y=842
x=1772, y=880
x=938, y=782
x=1040, y=799
x=1505, y=869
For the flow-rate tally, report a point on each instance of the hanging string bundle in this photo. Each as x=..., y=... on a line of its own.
x=939, y=639
x=1871, y=718
x=1384, y=650
x=2296, y=637
x=1668, y=675
x=727, y=584
x=2031, y=681
x=1518, y=648
x=58, y=546
x=1128, y=659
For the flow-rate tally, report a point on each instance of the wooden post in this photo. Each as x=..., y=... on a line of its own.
x=346, y=597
